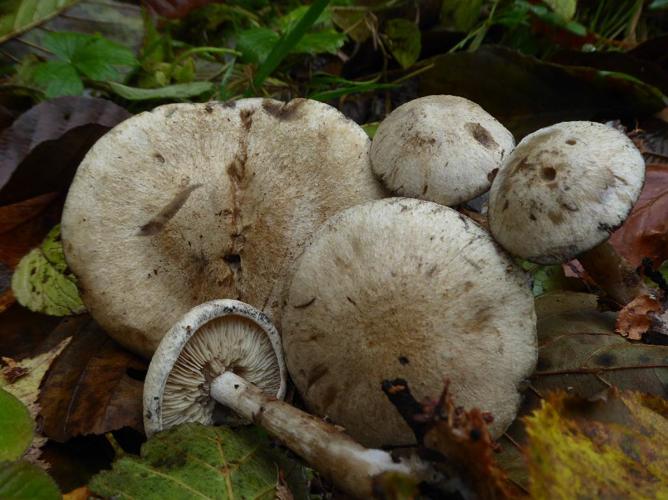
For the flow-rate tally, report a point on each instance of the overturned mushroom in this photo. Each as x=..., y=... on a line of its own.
x=225, y=355
x=411, y=289
x=191, y=202
x=563, y=191
x=441, y=148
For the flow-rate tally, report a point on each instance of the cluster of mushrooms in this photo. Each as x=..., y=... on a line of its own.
x=219, y=237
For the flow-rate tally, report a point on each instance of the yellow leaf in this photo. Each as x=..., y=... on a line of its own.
x=614, y=447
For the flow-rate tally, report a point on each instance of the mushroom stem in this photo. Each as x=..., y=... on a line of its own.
x=612, y=273
x=327, y=448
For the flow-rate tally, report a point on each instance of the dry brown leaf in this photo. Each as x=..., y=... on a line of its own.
x=635, y=318
x=82, y=493
x=89, y=389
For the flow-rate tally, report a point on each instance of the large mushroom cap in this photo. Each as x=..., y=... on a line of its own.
x=563, y=190
x=411, y=289
x=212, y=338
x=192, y=202
x=441, y=148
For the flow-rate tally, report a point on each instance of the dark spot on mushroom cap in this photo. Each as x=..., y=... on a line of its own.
x=492, y=175
x=159, y=157
x=556, y=217
x=571, y=142
x=208, y=108
x=548, y=173
x=532, y=217
x=283, y=111
x=330, y=396
x=230, y=104
x=403, y=360
x=482, y=135
x=316, y=374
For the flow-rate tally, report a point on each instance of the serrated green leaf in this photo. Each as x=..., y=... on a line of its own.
x=16, y=427
x=17, y=16
x=177, y=91
x=195, y=461
x=25, y=481
x=288, y=21
x=57, y=78
x=318, y=43
x=65, y=45
x=404, y=40
x=255, y=44
x=43, y=285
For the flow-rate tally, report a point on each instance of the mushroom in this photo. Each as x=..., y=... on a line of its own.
x=226, y=355
x=441, y=148
x=561, y=193
x=411, y=289
x=191, y=202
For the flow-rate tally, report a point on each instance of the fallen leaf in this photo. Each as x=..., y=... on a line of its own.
x=92, y=387
x=645, y=232
x=191, y=461
x=536, y=94
x=580, y=352
x=635, y=318
x=42, y=282
x=24, y=481
x=26, y=334
x=20, y=16
x=41, y=150
x=16, y=214
x=82, y=493
x=614, y=447
x=16, y=427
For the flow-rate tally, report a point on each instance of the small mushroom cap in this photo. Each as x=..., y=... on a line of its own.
x=403, y=288
x=212, y=338
x=563, y=190
x=192, y=202
x=441, y=148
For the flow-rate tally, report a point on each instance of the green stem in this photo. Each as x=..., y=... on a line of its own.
x=206, y=50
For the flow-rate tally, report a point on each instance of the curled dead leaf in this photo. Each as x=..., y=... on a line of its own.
x=635, y=318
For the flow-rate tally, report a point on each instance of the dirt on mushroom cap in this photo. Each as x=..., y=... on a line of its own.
x=563, y=190
x=147, y=244
x=441, y=148
x=411, y=289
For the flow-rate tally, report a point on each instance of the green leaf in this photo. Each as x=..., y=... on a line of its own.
x=17, y=16
x=177, y=91
x=94, y=56
x=564, y=8
x=57, y=78
x=255, y=44
x=464, y=13
x=16, y=427
x=317, y=43
x=289, y=20
x=195, y=461
x=659, y=4
x=404, y=40
x=285, y=45
x=25, y=481
x=545, y=278
x=44, y=286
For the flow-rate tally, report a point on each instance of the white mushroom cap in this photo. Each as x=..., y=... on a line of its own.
x=441, y=148
x=411, y=289
x=563, y=190
x=212, y=338
x=192, y=202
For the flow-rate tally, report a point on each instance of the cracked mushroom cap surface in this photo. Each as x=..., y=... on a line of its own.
x=563, y=190
x=404, y=288
x=192, y=202
x=441, y=148
x=210, y=339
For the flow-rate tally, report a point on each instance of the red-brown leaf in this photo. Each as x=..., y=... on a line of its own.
x=175, y=9
x=645, y=232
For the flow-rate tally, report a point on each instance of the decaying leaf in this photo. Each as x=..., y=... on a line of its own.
x=42, y=283
x=645, y=232
x=93, y=386
x=613, y=447
x=635, y=318
x=176, y=9
x=458, y=441
x=194, y=461
x=580, y=352
x=41, y=150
